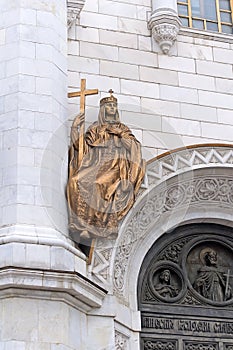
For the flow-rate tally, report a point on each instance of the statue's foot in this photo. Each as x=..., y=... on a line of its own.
x=85, y=234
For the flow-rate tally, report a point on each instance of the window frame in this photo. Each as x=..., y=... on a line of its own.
x=218, y=21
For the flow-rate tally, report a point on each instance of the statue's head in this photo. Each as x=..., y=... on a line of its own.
x=165, y=276
x=108, y=110
x=211, y=257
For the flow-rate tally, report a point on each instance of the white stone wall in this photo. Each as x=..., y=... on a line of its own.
x=32, y=324
x=33, y=70
x=169, y=101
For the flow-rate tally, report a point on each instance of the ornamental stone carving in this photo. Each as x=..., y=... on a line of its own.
x=200, y=346
x=174, y=196
x=74, y=7
x=153, y=203
x=121, y=341
x=165, y=28
x=206, y=259
x=160, y=345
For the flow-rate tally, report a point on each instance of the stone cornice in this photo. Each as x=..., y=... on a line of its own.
x=74, y=7
x=69, y=287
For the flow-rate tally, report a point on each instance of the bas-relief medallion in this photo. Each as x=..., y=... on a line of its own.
x=186, y=281
x=209, y=269
x=166, y=282
x=204, y=264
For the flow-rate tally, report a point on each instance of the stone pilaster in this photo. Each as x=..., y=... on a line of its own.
x=33, y=119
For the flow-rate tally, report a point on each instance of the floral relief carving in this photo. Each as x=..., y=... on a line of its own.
x=200, y=346
x=190, y=300
x=184, y=194
x=172, y=253
x=160, y=345
x=121, y=341
x=212, y=189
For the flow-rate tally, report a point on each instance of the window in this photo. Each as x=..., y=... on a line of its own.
x=213, y=15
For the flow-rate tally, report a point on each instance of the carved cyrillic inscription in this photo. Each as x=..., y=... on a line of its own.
x=160, y=345
x=186, y=325
x=157, y=323
x=194, y=326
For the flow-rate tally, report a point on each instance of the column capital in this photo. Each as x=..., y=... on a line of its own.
x=74, y=7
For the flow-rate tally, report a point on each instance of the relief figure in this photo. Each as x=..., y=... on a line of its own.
x=164, y=288
x=103, y=185
x=212, y=282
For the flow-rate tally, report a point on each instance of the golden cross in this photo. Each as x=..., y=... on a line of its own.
x=111, y=92
x=82, y=94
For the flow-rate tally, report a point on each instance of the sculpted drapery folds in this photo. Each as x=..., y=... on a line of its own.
x=102, y=188
x=211, y=281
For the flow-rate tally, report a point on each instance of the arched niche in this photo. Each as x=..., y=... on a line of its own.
x=186, y=186
x=185, y=289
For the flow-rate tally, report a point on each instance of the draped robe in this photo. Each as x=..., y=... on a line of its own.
x=102, y=189
x=211, y=284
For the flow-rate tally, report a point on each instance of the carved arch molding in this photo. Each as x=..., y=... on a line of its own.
x=187, y=184
x=185, y=290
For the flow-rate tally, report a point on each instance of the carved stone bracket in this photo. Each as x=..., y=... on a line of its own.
x=74, y=8
x=165, y=28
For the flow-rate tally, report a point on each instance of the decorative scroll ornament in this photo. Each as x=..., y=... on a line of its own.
x=200, y=346
x=160, y=344
x=165, y=28
x=74, y=8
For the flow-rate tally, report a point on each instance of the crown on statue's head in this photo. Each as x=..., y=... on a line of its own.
x=110, y=98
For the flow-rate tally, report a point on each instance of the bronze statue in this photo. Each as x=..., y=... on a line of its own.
x=104, y=181
x=165, y=289
x=211, y=281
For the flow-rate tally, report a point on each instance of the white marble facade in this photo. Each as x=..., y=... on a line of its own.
x=51, y=299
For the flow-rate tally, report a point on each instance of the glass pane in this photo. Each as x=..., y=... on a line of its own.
x=226, y=17
x=224, y=4
x=184, y=21
x=196, y=10
x=183, y=10
x=212, y=26
x=210, y=11
x=227, y=29
x=198, y=24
